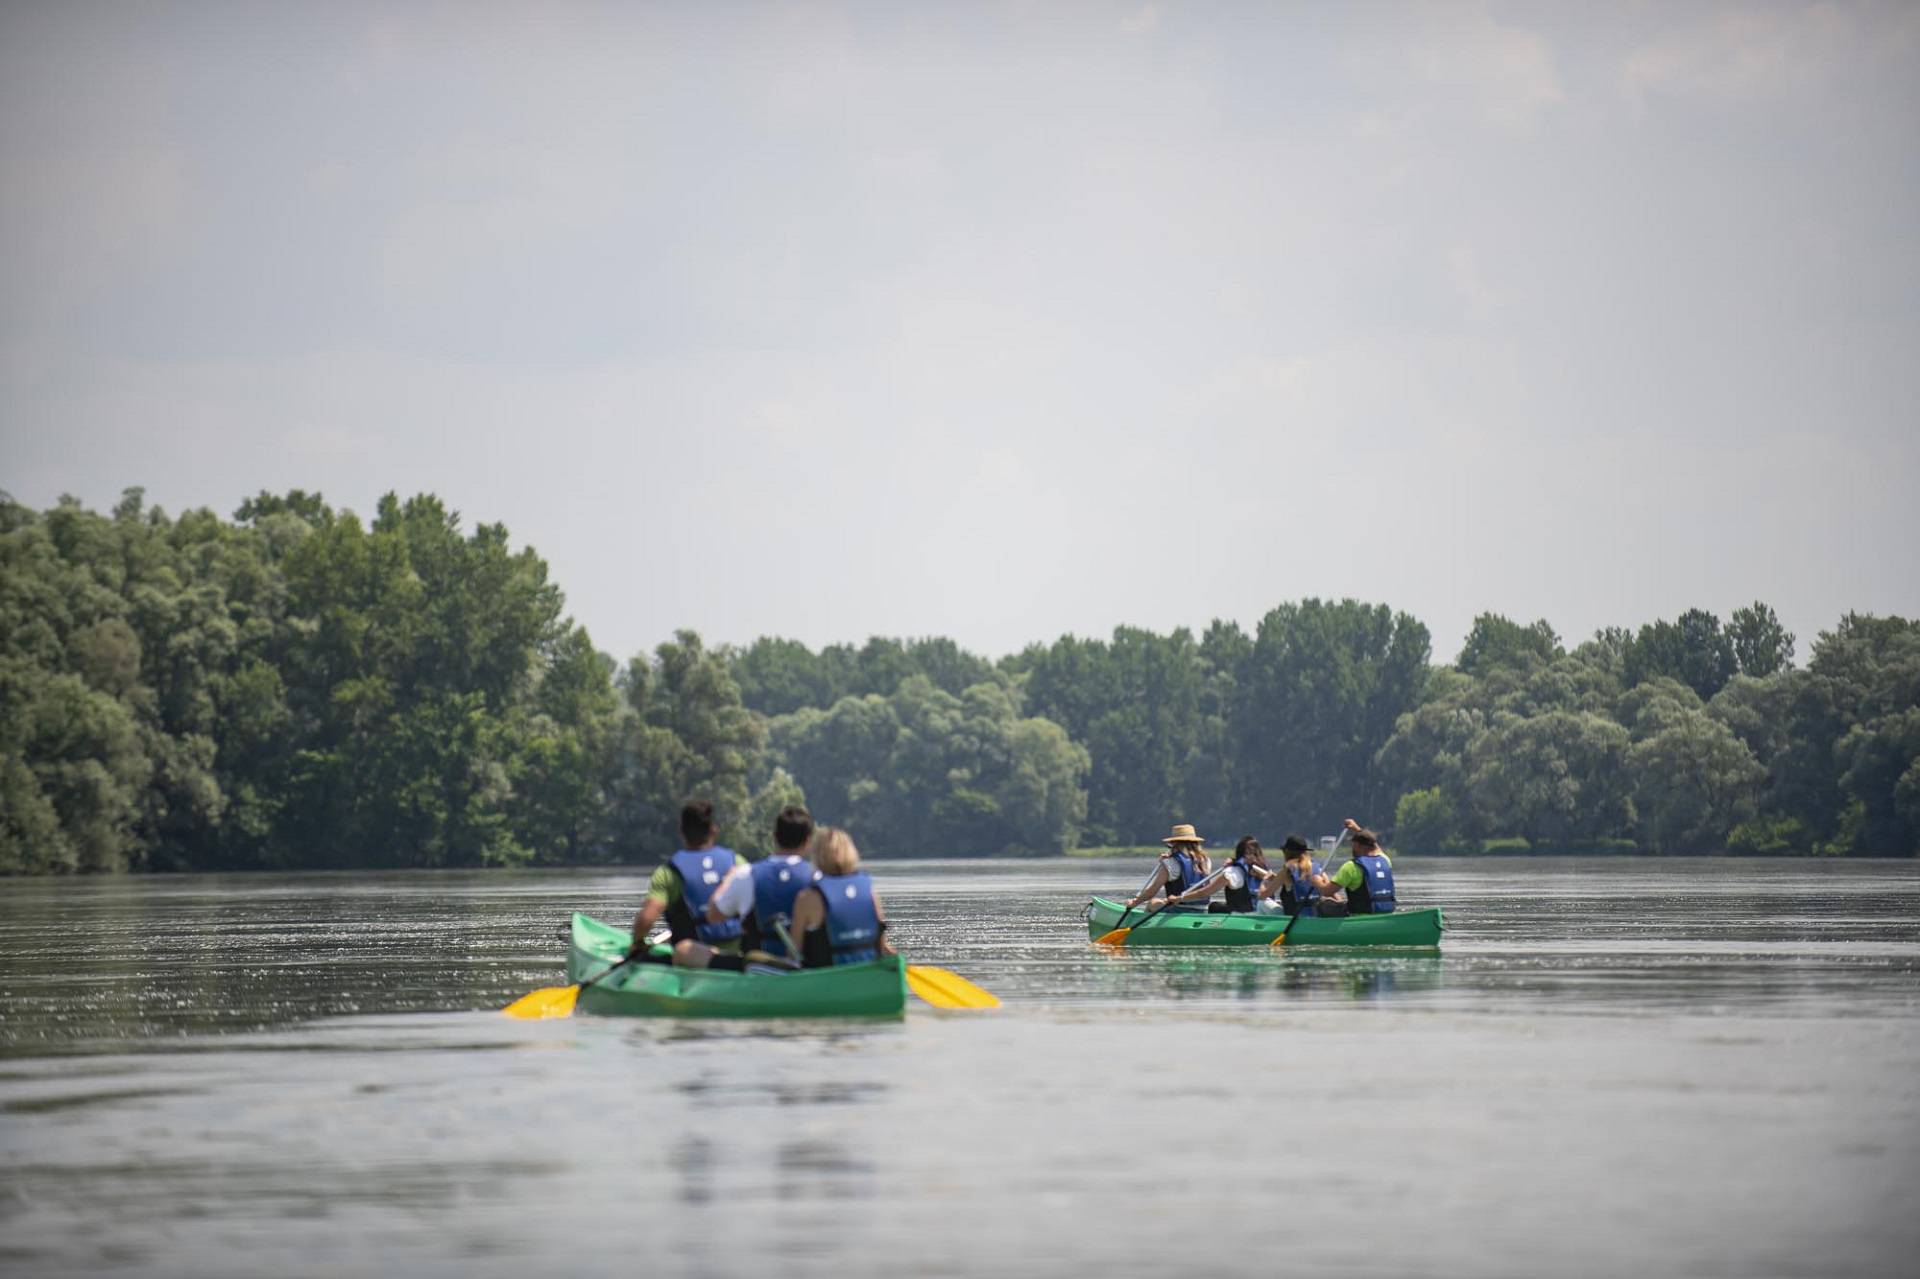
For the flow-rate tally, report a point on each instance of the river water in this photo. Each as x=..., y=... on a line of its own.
x=1679, y=1068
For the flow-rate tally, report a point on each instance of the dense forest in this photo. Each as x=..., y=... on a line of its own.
x=295, y=688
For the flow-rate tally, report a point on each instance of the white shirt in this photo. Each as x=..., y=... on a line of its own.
x=734, y=897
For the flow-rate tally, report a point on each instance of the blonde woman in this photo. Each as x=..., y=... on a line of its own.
x=1184, y=865
x=838, y=919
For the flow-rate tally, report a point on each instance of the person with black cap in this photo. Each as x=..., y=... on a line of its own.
x=1241, y=877
x=1298, y=885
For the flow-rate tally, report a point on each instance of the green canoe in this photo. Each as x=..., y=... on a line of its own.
x=1188, y=926
x=878, y=989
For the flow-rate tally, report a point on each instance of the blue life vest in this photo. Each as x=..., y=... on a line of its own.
x=776, y=882
x=1375, y=894
x=853, y=921
x=1298, y=893
x=1240, y=900
x=1183, y=866
x=700, y=873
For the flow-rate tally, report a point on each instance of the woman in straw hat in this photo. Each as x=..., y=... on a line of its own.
x=1184, y=865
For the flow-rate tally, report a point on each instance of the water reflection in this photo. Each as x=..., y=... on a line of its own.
x=1259, y=974
x=693, y=1162
x=821, y=1168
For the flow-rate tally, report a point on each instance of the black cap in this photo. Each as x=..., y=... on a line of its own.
x=1295, y=844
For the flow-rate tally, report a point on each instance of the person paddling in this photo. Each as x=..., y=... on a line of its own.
x=1296, y=888
x=761, y=896
x=680, y=890
x=1184, y=865
x=838, y=918
x=1242, y=878
x=1368, y=878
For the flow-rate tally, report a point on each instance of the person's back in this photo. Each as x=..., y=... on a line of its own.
x=838, y=918
x=681, y=890
x=777, y=881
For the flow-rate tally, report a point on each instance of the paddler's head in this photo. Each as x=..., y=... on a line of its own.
x=792, y=829
x=1248, y=851
x=1184, y=839
x=696, y=823
x=1365, y=841
x=834, y=853
x=1295, y=850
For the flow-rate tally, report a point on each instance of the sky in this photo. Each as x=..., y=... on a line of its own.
x=997, y=321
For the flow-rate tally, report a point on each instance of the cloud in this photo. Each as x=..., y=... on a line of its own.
x=1499, y=74
x=1738, y=56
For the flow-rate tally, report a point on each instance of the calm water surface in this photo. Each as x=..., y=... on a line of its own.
x=1702, y=1068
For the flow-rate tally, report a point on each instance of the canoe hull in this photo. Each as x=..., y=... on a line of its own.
x=878, y=989
x=1188, y=927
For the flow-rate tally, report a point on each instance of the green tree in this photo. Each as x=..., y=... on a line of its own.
x=1693, y=650
x=1693, y=782
x=1423, y=821
x=1761, y=646
x=924, y=771
x=1495, y=643
x=1556, y=779
x=1319, y=693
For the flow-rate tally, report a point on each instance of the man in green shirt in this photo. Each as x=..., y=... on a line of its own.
x=679, y=891
x=1367, y=880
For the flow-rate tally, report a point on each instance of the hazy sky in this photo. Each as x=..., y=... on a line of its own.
x=997, y=321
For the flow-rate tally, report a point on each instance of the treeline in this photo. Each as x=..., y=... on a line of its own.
x=294, y=688
x=297, y=689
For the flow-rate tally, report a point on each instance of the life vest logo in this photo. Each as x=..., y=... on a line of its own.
x=710, y=878
x=852, y=892
x=785, y=876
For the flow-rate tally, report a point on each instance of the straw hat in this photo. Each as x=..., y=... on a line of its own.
x=1183, y=834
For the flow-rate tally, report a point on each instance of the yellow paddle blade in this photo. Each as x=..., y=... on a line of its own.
x=548, y=1001
x=943, y=989
x=1118, y=937
x=1281, y=940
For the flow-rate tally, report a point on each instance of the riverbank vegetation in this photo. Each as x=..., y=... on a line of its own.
x=295, y=688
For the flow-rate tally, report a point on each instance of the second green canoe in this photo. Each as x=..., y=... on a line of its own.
x=1191, y=927
x=878, y=989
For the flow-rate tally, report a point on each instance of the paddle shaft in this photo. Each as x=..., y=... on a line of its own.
x=1121, y=922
